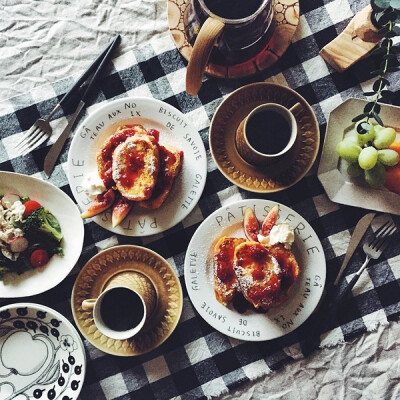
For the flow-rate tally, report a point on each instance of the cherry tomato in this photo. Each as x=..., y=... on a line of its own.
x=30, y=205
x=39, y=258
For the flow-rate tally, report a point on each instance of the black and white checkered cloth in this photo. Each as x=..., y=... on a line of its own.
x=197, y=361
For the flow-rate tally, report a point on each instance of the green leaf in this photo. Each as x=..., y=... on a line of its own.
x=386, y=17
x=359, y=117
x=395, y=4
x=387, y=94
x=382, y=4
x=363, y=128
x=391, y=34
x=369, y=106
x=377, y=118
x=386, y=42
x=384, y=31
x=369, y=94
x=389, y=56
x=393, y=69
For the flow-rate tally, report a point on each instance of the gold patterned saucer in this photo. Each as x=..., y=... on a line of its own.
x=96, y=274
x=284, y=173
x=284, y=24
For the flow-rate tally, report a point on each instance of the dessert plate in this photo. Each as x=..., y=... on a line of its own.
x=39, y=280
x=332, y=174
x=283, y=173
x=117, y=260
x=250, y=325
x=283, y=26
x=41, y=354
x=175, y=129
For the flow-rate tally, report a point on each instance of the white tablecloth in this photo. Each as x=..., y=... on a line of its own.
x=43, y=41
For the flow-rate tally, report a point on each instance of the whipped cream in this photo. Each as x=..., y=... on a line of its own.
x=93, y=185
x=280, y=233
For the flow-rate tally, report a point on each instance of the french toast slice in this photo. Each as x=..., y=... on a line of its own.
x=225, y=280
x=258, y=274
x=135, y=167
x=170, y=166
x=104, y=155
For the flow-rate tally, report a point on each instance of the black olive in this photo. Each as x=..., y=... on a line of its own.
x=19, y=324
x=61, y=380
x=44, y=329
x=78, y=369
x=51, y=394
x=65, y=367
x=55, y=323
x=37, y=394
x=5, y=314
x=22, y=311
x=41, y=314
x=66, y=398
x=74, y=385
x=55, y=332
x=32, y=325
x=71, y=360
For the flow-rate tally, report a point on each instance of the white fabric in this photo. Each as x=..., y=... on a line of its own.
x=44, y=41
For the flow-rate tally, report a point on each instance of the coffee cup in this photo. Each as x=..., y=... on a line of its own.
x=228, y=31
x=267, y=133
x=124, y=306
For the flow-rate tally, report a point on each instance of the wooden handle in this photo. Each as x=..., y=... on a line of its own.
x=208, y=35
x=359, y=38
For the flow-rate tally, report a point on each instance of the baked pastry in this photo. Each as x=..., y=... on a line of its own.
x=259, y=275
x=135, y=166
x=225, y=280
x=170, y=166
x=104, y=155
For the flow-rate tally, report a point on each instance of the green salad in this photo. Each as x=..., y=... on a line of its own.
x=29, y=234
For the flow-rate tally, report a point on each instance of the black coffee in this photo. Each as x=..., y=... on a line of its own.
x=121, y=309
x=268, y=132
x=233, y=9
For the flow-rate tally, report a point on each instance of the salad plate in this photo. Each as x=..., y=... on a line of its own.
x=250, y=325
x=39, y=280
x=175, y=129
x=41, y=354
x=332, y=174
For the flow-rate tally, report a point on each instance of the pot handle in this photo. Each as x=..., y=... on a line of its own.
x=208, y=35
x=88, y=304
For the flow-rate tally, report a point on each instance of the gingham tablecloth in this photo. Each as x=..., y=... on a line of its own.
x=197, y=361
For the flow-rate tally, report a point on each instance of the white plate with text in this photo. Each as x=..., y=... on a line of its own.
x=175, y=129
x=250, y=325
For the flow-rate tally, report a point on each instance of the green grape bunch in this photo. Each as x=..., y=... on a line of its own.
x=367, y=152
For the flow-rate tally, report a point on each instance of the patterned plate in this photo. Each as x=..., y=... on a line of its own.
x=284, y=173
x=286, y=19
x=41, y=354
x=94, y=277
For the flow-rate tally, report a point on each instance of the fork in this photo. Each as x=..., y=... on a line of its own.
x=41, y=129
x=373, y=249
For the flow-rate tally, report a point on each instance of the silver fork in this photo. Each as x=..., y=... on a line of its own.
x=37, y=134
x=373, y=250
x=41, y=129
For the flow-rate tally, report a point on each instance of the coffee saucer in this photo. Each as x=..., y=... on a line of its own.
x=96, y=274
x=284, y=24
x=285, y=172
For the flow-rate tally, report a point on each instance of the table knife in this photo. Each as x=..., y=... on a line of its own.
x=330, y=301
x=358, y=233
x=52, y=156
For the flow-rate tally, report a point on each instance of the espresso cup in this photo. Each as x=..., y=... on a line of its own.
x=226, y=32
x=267, y=133
x=123, y=307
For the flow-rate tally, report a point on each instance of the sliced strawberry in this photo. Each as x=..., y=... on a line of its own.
x=270, y=220
x=251, y=225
